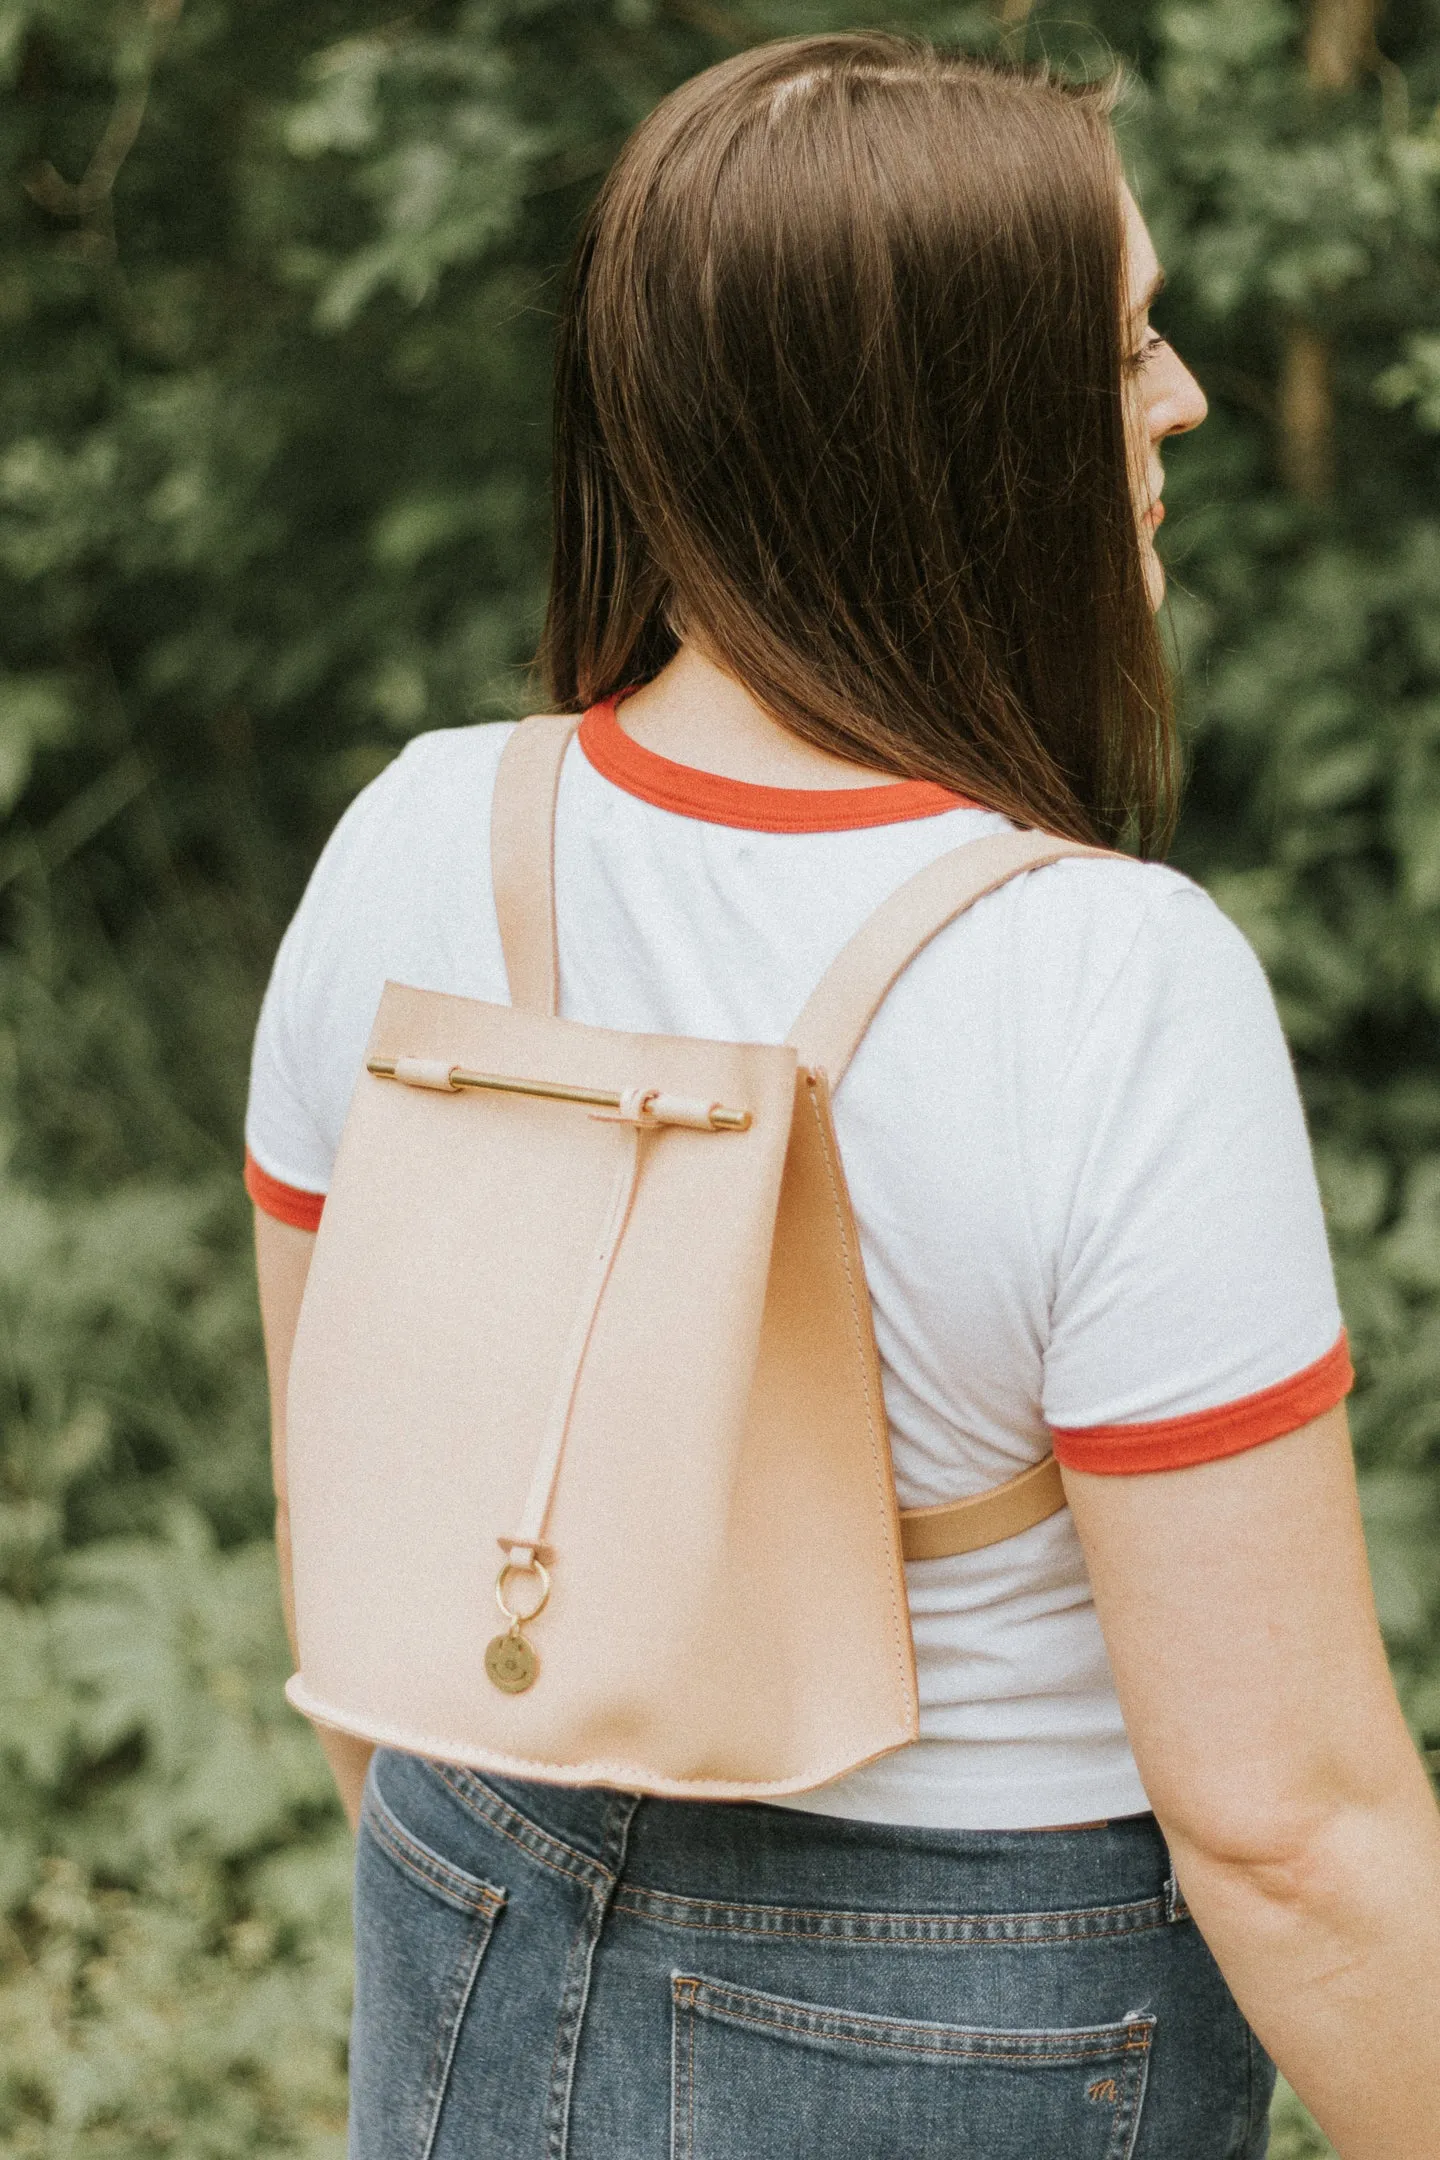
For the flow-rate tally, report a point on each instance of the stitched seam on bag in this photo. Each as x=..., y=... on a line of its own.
x=823, y=2024
x=509, y=1823
x=468, y=1891
x=439, y=1750
x=892, y=1931
x=884, y=1487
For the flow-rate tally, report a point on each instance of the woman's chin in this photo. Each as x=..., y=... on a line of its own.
x=1154, y=575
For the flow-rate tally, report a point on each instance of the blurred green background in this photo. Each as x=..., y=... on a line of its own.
x=277, y=280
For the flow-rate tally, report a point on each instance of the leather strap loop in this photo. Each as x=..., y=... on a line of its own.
x=853, y=987
x=522, y=857
x=987, y=1518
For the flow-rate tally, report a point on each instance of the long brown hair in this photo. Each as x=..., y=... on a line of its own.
x=840, y=392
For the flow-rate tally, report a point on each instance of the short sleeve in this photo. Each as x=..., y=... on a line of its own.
x=1194, y=1311
x=291, y=1129
x=400, y=894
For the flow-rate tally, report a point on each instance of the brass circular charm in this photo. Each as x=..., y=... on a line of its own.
x=511, y=1664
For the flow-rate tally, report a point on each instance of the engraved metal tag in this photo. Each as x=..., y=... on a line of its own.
x=511, y=1663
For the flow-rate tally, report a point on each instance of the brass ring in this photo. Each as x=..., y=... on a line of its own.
x=514, y=1567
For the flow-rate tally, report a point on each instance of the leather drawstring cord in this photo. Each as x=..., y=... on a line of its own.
x=526, y=1545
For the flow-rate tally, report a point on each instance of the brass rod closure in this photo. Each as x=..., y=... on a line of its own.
x=434, y=1073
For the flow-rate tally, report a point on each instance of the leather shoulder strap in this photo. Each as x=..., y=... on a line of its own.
x=853, y=987
x=827, y=1035
x=522, y=857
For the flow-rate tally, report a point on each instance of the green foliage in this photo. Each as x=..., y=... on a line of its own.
x=272, y=498
x=1293, y=2136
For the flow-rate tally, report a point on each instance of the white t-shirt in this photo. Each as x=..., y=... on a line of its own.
x=1102, y=1232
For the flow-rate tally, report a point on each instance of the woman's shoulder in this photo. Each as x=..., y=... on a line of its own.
x=433, y=764
x=407, y=860
x=434, y=794
x=401, y=892
x=1116, y=943
x=441, y=781
x=1115, y=898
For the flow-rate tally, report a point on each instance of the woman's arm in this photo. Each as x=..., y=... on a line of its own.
x=1235, y=1599
x=282, y=1262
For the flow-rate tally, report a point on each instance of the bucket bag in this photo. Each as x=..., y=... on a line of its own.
x=586, y=1337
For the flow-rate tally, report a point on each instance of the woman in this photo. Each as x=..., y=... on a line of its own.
x=858, y=474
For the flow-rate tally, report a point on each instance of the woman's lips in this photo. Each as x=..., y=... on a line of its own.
x=1155, y=515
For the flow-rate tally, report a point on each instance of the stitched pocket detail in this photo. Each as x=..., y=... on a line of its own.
x=423, y=1927
x=471, y=1790
x=842, y=2080
x=886, y=1930
x=467, y=1893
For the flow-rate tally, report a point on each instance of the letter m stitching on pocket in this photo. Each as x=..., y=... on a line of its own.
x=756, y=2073
x=422, y=1927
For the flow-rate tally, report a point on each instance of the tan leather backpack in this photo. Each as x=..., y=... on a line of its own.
x=587, y=1308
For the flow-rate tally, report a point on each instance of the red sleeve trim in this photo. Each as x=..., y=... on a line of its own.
x=1205, y=1435
x=287, y=1203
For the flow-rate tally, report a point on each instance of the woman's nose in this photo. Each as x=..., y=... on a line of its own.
x=1179, y=404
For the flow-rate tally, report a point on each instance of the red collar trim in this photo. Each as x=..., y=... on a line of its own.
x=691, y=793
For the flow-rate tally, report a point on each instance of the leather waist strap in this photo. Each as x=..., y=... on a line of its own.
x=959, y=1526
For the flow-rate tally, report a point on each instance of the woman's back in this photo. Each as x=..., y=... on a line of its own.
x=1071, y=1136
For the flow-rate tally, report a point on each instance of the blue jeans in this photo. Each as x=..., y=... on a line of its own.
x=548, y=1974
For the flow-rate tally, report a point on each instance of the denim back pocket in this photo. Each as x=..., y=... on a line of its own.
x=423, y=1925
x=756, y=2073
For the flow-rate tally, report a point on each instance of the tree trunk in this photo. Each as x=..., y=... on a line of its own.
x=1307, y=414
x=1339, y=41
